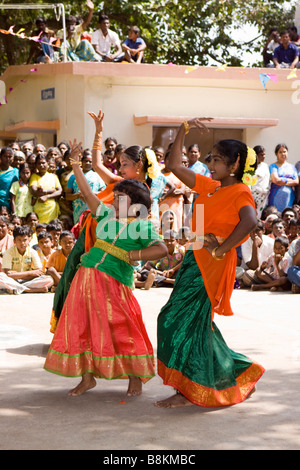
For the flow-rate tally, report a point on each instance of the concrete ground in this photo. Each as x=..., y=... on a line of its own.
x=36, y=413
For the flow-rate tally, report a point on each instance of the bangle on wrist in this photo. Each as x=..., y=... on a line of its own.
x=75, y=162
x=213, y=254
x=186, y=127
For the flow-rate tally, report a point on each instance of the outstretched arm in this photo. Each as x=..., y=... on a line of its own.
x=175, y=158
x=84, y=187
x=98, y=166
x=88, y=19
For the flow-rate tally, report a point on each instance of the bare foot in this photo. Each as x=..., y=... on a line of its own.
x=134, y=387
x=174, y=401
x=150, y=279
x=251, y=392
x=87, y=383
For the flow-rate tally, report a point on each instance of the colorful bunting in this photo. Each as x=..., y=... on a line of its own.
x=190, y=68
x=265, y=77
x=292, y=74
x=222, y=68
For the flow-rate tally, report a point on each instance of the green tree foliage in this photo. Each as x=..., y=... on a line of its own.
x=193, y=32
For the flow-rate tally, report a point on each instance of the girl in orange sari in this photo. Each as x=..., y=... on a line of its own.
x=192, y=354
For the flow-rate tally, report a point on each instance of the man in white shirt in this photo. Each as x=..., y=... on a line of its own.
x=103, y=39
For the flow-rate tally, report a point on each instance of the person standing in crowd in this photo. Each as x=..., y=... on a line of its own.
x=192, y=355
x=284, y=179
x=45, y=188
x=20, y=193
x=260, y=190
x=8, y=175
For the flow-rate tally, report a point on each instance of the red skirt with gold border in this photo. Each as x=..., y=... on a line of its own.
x=101, y=331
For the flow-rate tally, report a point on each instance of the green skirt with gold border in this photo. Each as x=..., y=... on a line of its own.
x=192, y=354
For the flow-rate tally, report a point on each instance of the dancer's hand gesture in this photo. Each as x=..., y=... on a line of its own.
x=98, y=120
x=198, y=123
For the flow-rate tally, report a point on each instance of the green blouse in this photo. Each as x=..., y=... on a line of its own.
x=128, y=234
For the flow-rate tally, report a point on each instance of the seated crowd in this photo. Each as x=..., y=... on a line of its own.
x=102, y=45
x=42, y=212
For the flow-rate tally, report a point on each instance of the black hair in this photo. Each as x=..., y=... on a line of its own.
x=102, y=18
x=294, y=222
x=43, y=235
x=277, y=221
x=289, y=209
x=260, y=225
x=66, y=233
x=110, y=138
x=23, y=166
x=22, y=230
x=192, y=146
x=283, y=241
x=278, y=146
x=137, y=154
x=41, y=225
x=138, y=192
x=4, y=219
x=29, y=214
x=233, y=149
x=5, y=149
x=53, y=226
x=71, y=19
x=258, y=149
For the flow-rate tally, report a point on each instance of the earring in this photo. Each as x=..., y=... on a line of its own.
x=232, y=174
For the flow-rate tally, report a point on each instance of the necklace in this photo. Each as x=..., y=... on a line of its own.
x=211, y=194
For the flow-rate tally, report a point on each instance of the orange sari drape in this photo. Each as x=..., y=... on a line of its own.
x=217, y=211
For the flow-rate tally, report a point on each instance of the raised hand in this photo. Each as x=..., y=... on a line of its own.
x=76, y=150
x=198, y=123
x=98, y=120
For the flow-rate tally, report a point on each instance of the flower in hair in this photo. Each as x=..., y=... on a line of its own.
x=153, y=167
x=248, y=177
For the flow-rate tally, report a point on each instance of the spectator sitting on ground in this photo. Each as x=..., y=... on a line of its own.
x=278, y=229
x=103, y=39
x=6, y=239
x=293, y=230
x=134, y=46
x=272, y=273
x=163, y=272
x=272, y=42
x=268, y=223
x=57, y=261
x=55, y=229
x=294, y=271
x=254, y=251
x=286, y=55
x=44, y=248
x=184, y=237
x=78, y=49
x=22, y=267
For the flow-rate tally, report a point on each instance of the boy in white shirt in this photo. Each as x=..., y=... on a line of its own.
x=22, y=267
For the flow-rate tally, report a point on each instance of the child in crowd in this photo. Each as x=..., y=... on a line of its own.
x=6, y=239
x=55, y=229
x=294, y=230
x=163, y=272
x=32, y=220
x=22, y=267
x=278, y=229
x=272, y=273
x=57, y=261
x=184, y=237
x=20, y=193
x=44, y=248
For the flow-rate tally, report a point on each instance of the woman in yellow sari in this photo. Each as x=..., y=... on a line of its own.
x=45, y=188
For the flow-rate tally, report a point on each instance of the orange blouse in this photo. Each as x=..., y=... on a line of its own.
x=217, y=211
